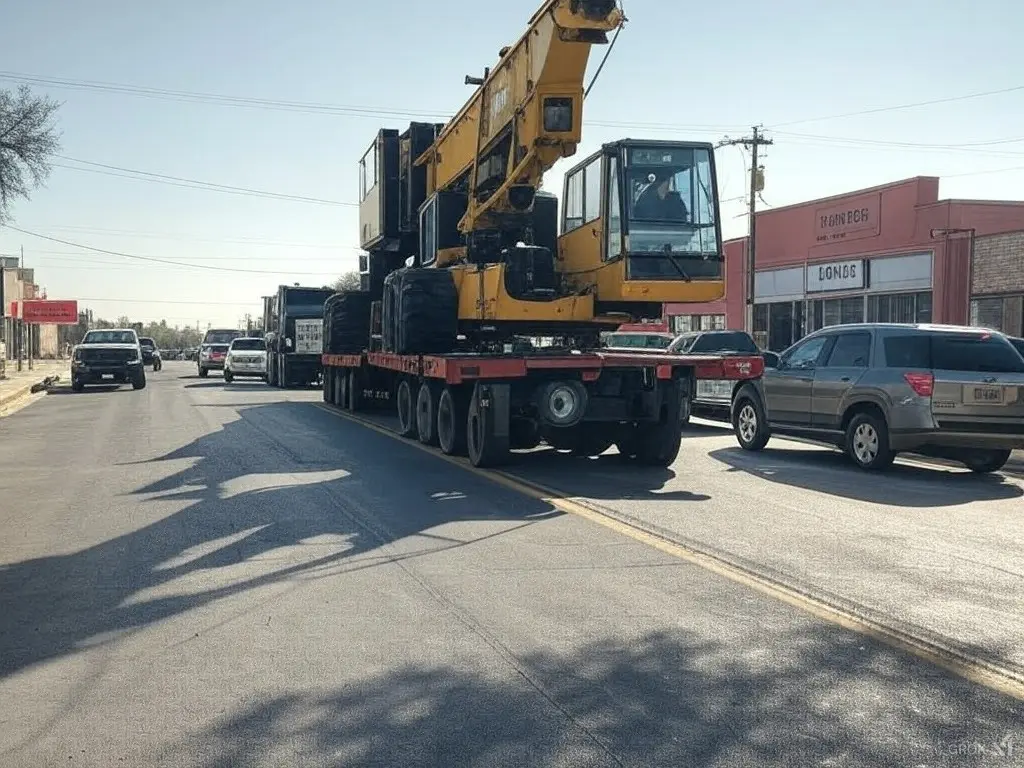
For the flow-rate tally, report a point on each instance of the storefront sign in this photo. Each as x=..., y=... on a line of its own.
x=836, y=276
x=44, y=312
x=850, y=220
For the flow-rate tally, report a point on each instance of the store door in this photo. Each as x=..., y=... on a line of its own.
x=780, y=326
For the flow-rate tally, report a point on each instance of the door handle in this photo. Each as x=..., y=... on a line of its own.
x=845, y=378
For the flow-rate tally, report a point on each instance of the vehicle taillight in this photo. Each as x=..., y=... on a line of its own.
x=923, y=384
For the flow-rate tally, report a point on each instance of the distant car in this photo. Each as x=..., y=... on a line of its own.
x=150, y=353
x=246, y=357
x=108, y=356
x=876, y=389
x=214, y=349
x=633, y=340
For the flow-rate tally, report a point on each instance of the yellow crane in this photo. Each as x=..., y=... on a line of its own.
x=489, y=259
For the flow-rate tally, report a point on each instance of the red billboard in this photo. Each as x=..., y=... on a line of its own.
x=47, y=311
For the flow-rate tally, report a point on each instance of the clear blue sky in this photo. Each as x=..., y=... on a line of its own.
x=684, y=69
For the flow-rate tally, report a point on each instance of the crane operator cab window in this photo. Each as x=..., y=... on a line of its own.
x=672, y=221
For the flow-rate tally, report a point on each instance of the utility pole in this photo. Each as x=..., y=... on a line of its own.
x=756, y=184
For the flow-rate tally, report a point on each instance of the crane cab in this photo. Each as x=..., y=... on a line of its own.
x=641, y=226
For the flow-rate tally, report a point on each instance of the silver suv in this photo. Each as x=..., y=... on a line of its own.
x=876, y=389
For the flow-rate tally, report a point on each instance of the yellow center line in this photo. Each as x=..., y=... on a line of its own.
x=975, y=669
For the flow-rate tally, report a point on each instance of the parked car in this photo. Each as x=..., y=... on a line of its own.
x=713, y=398
x=876, y=390
x=214, y=349
x=150, y=353
x=108, y=356
x=246, y=357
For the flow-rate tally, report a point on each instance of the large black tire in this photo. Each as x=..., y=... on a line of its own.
x=427, y=315
x=867, y=442
x=487, y=439
x=203, y=373
x=328, y=387
x=405, y=402
x=452, y=411
x=228, y=376
x=426, y=412
x=347, y=326
x=985, y=462
x=657, y=443
x=77, y=385
x=389, y=311
x=354, y=392
x=139, y=381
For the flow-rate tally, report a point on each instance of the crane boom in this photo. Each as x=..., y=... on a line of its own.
x=525, y=115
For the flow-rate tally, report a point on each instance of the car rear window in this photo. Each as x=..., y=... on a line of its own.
x=220, y=337
x=110, y=337
x=970, y=352
x=248, y=344
x=721, y=342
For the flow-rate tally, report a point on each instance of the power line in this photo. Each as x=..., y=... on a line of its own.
x=156, y=260
x=192, y=183
x=184, y=238
x=296, y=106
x=894, y=108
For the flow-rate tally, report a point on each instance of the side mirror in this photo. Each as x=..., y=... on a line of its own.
x=771, y=360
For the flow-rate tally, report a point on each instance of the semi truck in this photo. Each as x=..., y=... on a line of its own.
x=481, y=307
x=293, y=324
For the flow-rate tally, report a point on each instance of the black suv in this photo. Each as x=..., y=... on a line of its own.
x=108, y=356
x=150, y=353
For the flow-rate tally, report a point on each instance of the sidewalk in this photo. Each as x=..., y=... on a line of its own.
x=17, y=384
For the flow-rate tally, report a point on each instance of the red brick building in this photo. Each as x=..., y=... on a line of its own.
x=894, y=253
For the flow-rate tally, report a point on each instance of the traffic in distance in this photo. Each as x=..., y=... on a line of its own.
x=871, y=390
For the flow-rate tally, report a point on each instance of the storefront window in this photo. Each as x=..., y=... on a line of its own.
x=1003, y=313
x=900, y=308
x=827, y=312
x=686, y=323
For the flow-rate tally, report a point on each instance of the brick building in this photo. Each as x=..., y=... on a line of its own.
x=893, y=253
x=997, y=282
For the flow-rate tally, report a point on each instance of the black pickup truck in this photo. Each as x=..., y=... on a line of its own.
x=108, y=356
x=150, y=353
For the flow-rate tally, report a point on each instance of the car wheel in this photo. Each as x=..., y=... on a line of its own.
x=985, y=462
x=867, y=442
x=203, y=373
x=139, y=382
x=228, y=376
x=749, y=423
x=77, y=385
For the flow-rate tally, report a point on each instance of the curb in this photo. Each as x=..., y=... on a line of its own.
x=28, y=389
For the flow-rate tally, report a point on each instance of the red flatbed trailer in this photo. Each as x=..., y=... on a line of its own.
x=485, y=405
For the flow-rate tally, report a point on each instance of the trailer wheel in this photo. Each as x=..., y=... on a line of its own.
x=354, y=391
x=406, y=409
x=341, y=388
x=659, y=442
x=329, y=387
x=488, y=425
x=452, y=412
x=524, y=434
x=426, y=412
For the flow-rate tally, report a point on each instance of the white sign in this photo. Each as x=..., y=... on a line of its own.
x=835, y=276
x=309, y=337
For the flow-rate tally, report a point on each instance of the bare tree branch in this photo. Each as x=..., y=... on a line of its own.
x=28, y=140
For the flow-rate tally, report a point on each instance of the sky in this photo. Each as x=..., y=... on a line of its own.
x=284, y=98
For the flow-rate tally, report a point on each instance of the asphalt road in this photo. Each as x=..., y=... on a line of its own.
x=201, y=574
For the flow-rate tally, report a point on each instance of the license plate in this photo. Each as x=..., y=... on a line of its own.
x=984, y=395
x=108, y=376
x=714, y=389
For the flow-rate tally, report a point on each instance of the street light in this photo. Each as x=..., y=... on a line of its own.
x=946, y=232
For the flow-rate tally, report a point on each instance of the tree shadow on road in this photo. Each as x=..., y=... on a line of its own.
x=902, y=485
x=229, y=497
x=668, y=698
